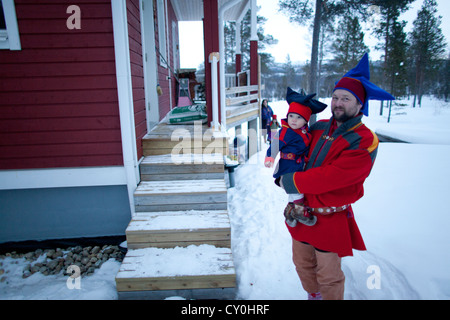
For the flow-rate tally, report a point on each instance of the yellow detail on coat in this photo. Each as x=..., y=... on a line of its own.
x=374, y=143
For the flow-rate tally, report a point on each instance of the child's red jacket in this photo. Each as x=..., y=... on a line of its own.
x=339, y=161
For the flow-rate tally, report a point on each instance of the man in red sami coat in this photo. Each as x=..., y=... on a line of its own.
x=341, y=157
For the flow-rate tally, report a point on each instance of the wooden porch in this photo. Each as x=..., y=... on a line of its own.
x=181, y=219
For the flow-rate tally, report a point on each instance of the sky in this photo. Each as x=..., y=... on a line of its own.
x=293, y=40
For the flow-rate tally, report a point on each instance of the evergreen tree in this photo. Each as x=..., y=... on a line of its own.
x=390, y=11
x=387, y=31
x=289, y=74
x=349, y=46
x=320, y=12
x=428, y=46
x=443, y=84
x=301, y=11
x=396, y=67
x=263, y=41
x=230, y=46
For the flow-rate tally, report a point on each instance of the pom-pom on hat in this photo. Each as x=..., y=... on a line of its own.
x=357, y=82
x=302, y=104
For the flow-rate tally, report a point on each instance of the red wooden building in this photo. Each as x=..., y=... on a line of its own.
x=78, y=92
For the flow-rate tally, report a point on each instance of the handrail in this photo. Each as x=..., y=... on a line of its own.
x=232, y=90
x=242, y=103
x=240, y=107
x=241, y=99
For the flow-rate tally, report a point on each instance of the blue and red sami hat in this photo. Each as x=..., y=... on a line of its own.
x=357, y=82
x=303, y=105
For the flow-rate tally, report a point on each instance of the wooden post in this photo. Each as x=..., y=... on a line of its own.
x=252, y=137
x=253, y=62
x=213, y=59
x=211, y=42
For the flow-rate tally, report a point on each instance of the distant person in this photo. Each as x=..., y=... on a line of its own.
x=341, y=156
x=292, y=142
x=273, y=126
x=266, y=118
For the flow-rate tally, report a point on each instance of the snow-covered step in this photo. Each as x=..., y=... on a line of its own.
x=179, y=228
x=201, y=267
x=153, y=196
x=182, y=167
x=188, y=138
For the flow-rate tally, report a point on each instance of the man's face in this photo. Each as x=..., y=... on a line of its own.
x=344, y=106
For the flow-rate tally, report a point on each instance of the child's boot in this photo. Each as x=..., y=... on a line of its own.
x=302, y=215
x=290, y=221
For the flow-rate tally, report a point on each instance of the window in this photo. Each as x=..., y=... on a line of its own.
x=2, y=18
x=9, y=29
x=3, y=32
x=162, y=33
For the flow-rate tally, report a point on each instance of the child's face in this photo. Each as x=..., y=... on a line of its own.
x=295, y=121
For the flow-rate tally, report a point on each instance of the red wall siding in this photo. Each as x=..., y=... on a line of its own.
x=137, y=72
x=58, y=96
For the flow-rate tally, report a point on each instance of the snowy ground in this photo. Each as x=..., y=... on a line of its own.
x=403, y=218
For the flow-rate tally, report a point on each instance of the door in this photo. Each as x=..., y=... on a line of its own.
x=150, y=65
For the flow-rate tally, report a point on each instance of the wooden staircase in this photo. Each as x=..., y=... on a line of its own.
x=179, y=241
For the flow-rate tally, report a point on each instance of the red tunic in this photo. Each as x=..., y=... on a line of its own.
x=340, y=159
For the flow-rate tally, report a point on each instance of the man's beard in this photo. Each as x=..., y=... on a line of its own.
x=342, y=117
x=345, y=114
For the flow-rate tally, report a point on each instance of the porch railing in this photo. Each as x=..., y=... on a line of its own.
x=241, y=102
x=241, y=106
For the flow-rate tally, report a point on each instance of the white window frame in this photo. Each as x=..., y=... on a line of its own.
x=10, y=38
x=162, y=33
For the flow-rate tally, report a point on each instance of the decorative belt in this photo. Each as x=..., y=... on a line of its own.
x=290, y=156
x=327, y=210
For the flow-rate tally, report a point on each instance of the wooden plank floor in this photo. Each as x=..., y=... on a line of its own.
x=193, y=267
x=182, y=167
x=179, y=228
x=184, y=139
x=166, y=131
x=151, y=196
x=181, y=187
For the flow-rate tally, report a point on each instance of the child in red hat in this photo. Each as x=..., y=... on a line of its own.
x=273, y=127
x=292, y=142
